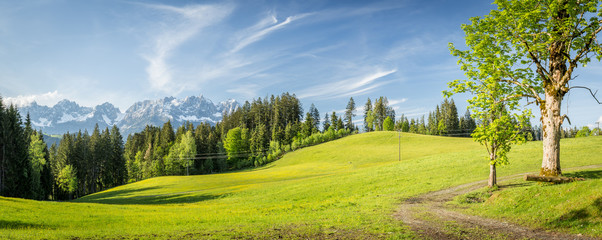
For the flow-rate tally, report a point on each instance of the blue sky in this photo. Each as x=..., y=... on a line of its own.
x=323, y=51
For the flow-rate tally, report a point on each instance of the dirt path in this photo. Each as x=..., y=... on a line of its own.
x=431, y=218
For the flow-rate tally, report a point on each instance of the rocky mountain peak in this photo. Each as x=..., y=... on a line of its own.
x=69, y=116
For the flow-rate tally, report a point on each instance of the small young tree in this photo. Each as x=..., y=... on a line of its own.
x=236, y=145
x=583, y=132
x=499, y=116
x=388, y=124
x=37, y=157
x=67, y=180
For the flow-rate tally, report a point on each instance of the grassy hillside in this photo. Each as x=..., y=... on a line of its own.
x=343, y=189
x=573, y=207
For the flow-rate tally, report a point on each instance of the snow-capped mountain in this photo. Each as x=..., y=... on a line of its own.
x=178, y=111
x=68, y=116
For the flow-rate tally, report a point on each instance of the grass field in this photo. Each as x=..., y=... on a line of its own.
x=574, y=207
x=347, y=188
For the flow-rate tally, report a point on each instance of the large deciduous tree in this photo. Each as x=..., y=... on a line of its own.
x=535, y=46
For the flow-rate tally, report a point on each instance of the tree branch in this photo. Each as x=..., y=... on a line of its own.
x=542, y=71
x=525, y=87
x=511, y=97
x=565, y=117
x=584, y=50
x=590, y=91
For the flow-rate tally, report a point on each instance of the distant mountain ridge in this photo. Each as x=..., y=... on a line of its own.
x=68, y=116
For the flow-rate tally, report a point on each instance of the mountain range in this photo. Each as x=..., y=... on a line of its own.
x=68, y=116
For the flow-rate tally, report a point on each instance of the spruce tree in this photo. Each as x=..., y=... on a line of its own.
x=349, y=114
x=315, y=114
x=326, y=122
x=308, y=126
x=17, y=167
x=119, y=171
x=3, y=142
x=368, y=125
x=334, y=119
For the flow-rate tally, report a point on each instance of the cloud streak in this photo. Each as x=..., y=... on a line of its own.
x=347, y=87
x=260, y=30
x=180, y=25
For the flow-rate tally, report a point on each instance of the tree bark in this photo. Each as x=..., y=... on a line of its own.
x=555, y=87
x=492, y=176
x=551, y=121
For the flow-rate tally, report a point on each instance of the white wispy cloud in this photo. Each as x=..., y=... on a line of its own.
x=182, y=24
x=393, y=102
x=263, y=28
x=347, y=87
x=48, y=99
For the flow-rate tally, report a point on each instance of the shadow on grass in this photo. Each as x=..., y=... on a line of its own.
x=103, y=196
x=582, y=217
x=4, y=224
x=589, y=174
x=514, y=185
x=175, y=198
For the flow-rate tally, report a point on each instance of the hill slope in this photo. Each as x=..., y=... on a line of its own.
x=347, y=188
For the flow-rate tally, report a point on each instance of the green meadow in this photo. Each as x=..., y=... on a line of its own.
x=348, y=188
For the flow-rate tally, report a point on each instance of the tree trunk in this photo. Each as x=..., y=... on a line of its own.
x=555, y=86
x=551, y=121
x=492, y=176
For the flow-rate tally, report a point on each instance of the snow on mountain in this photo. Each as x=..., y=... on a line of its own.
x=228, y=106
x=179, y=111
x=68, y=116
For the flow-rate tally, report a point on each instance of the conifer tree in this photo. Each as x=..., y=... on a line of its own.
x=326, y=122
x=16, y=165
x=119, y=171
x=368, y=123
x=334, y=119
x=349, y=114
x=340, y=124
x=315, y=115
x=308, y=126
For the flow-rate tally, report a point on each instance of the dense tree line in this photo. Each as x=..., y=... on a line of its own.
x=16, y=168
x=375, y=116
x=160, y=151
x=442, y=121
x=81, y=164
x=256, y=133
